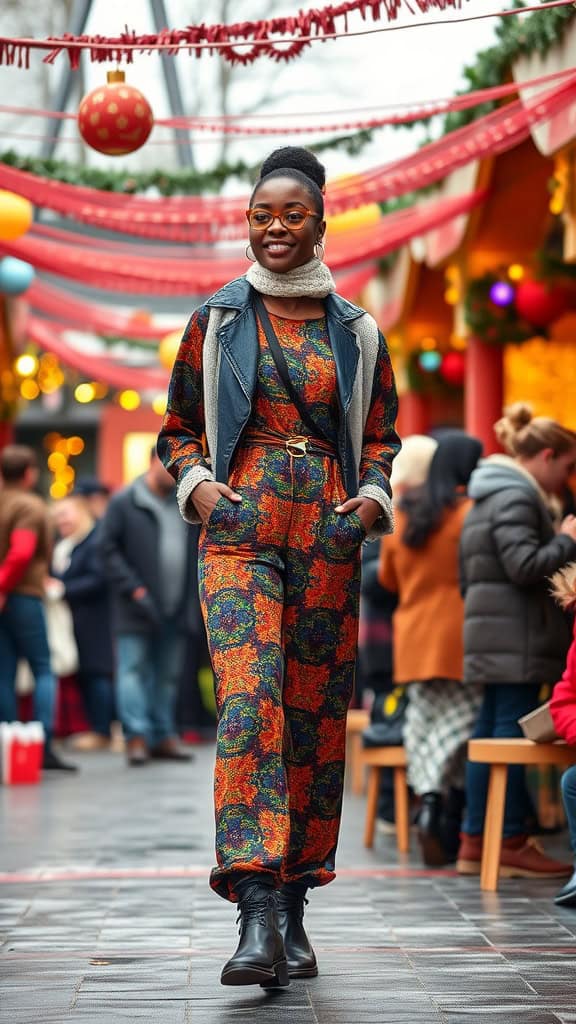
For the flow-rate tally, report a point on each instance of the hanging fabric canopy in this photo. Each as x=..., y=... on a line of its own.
x=82, y=314
x=49, y=338
x=195, y=276
x=204, y=219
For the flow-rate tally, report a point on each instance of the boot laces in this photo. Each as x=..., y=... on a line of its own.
x=254, y=908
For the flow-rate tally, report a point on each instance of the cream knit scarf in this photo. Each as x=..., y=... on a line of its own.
x=312, y=279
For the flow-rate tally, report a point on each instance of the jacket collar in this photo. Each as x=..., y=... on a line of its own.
x=236, y=295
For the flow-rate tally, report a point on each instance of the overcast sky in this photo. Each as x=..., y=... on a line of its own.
x=367, y=71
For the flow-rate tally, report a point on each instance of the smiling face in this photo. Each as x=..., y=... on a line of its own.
x=277, y=247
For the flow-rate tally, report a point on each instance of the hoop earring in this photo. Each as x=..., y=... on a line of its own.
x=252, y=257
x=319, y=256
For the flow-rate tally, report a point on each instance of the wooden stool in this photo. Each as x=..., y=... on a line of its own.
x=356, y=722
x=499, y=753
x=376, y=758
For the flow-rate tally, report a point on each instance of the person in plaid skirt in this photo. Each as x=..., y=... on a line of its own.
x=420, y=562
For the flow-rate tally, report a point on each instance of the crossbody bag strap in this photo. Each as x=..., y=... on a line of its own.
x=283, y=372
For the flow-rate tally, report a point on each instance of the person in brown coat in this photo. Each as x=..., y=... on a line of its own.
x=420, y=563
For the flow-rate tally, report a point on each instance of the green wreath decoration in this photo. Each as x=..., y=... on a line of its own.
x=496, y=325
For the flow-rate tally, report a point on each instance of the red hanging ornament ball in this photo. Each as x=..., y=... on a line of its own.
x=115, y=118
x=539, y=303
x=453, y=368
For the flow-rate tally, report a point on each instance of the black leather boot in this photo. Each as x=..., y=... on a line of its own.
x=260, y=958
x=430, y=830
x=451, y=822
x=301, y=958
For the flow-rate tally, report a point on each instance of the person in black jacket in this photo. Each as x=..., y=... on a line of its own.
x=78, y=566
x=150, y=557
x=515, y=636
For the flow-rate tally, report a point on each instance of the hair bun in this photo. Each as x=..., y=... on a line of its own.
x=299, y=159
x=519, y=414
x=516, y=417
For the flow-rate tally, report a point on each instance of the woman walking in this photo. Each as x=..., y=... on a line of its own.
x=293, y=389
x=515, y=637
x=420, y=563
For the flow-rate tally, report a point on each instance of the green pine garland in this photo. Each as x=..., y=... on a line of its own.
x=168, y=183
x=496, y=325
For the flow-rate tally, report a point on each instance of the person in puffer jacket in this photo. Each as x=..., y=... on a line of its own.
x=563, y=711
x=515, y=637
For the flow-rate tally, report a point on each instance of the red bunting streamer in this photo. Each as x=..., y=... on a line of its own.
x=261, y=36
x=90, y=316
x=193, y=276
x=50, y=337
x=98, y=368
x=226, y=125
x=204, y=219
x=108, y=322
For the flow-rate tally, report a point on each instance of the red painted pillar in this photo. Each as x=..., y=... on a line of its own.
x=484, y=391
x=6, y=433
x=413, y=414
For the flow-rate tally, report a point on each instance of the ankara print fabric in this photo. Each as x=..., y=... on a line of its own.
x=312, y=371
x=180, y=443
x=279, y=586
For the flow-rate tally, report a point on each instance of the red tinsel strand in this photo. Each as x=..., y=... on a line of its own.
x=314, y=23
x=196, y=37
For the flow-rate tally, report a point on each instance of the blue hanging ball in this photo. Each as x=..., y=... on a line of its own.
x=16, y=276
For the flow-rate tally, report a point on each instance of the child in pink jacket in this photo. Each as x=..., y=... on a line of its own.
x=563, y=711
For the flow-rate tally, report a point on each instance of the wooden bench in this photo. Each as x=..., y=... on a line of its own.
x=499, y=753
x=375, y=759
x=356, y=722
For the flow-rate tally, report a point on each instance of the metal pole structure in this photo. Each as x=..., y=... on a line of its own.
x=78, y=20
x=183, y=145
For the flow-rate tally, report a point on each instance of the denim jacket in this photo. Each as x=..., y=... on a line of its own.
x=214, y=381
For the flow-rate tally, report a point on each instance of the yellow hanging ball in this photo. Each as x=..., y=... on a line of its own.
x=168, y=348
x=15, y=216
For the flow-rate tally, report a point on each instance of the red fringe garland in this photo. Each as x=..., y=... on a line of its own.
x=301, y=28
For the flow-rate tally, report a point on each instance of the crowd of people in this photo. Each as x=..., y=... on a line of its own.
x=477, y=637
x=274, y=466
x=103, y=588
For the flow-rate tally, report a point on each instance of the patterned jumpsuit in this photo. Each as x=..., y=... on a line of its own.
x=279, y=586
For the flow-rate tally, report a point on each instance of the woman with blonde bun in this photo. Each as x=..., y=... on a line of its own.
x=515, y=636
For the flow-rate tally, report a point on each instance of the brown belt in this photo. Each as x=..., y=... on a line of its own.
x=297, y=445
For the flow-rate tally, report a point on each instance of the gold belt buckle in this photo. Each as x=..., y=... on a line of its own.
x=297, y=447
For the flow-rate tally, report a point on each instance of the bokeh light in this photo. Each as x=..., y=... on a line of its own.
x=84, y=393
x=129, y=400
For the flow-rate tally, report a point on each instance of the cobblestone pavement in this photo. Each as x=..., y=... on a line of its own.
x=105, y=916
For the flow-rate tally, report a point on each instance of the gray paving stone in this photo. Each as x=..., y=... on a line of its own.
x=106, y=916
